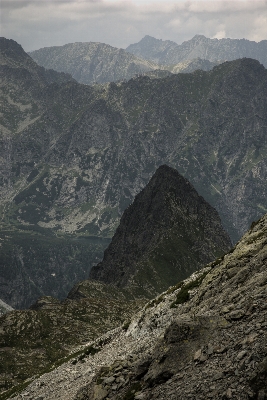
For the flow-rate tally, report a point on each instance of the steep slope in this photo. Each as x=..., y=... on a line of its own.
x=166, y=52
x=33, y=262
x=22, y=80
x=203, y=338
x=166, y=234
x=92, y=62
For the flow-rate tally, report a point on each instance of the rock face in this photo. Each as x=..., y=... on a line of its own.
x=150, y=48
x=203, y=338
x=13, y=55
x=164, y=235
x=166, y=52
x=92, y=62
x=73, y=157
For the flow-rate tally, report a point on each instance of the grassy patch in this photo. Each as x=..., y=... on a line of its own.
x=126, y=325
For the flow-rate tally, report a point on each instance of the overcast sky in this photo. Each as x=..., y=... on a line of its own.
x=39, y=23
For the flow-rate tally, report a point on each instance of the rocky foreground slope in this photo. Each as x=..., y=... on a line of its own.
x=203, y=338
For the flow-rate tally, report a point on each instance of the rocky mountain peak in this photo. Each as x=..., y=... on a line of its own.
x=12, y=53
x=167, y=220
x=198, y=38
x=170, y=53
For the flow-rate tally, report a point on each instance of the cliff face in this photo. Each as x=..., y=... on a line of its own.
x=166, y=52
x=164, y=235
x=203, y=338
x=187, y=66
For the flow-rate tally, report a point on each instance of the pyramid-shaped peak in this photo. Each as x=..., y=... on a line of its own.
x=167, y=232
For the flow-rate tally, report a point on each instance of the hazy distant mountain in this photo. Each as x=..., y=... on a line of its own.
x=150, y=48
x=92, y=62
x=167, y=52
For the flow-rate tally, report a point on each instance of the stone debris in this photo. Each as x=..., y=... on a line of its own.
x=194, y=350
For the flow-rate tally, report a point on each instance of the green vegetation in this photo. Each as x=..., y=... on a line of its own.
x=126, y=325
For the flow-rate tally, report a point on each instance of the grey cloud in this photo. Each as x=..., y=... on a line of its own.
x=39, y=23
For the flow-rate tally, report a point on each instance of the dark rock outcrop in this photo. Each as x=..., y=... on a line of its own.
x=166, y=234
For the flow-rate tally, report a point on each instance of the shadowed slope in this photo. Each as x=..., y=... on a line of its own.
x=167, y=233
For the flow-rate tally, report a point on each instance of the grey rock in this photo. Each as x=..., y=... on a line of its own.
x=109, y=380
x=241, y=354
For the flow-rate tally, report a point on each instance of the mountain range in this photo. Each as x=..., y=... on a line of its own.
x=166, y=52
x=73, y=157
x=91, y=62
